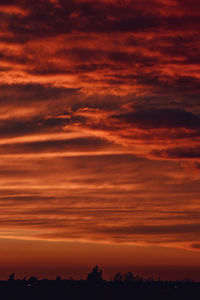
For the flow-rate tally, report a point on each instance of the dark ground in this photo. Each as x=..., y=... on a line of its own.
x=105, y=290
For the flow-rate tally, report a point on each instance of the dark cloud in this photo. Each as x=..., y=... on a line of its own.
x=77, y=144
x=26, y=93
x=195, y=246
x=72, y=15
x=173, y=229
x=161, y=118
x=179, y=153
x=12, y=128
x=93, y=16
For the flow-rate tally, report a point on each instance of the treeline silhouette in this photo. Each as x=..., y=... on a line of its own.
x=121, y=286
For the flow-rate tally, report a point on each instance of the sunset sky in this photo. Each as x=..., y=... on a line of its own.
x=100, y=137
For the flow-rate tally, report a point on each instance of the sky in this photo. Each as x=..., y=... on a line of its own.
x=100, y=137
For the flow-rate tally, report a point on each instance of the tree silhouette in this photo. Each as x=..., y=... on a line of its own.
x=32, y=280
x=128, y=276
x=118, y=277
x=11, y=277
x=58, y=278
x=95, y=275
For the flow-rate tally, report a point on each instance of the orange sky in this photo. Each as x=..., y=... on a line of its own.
x=99, y=136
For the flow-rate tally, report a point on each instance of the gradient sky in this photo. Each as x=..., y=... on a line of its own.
x=100, y=137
